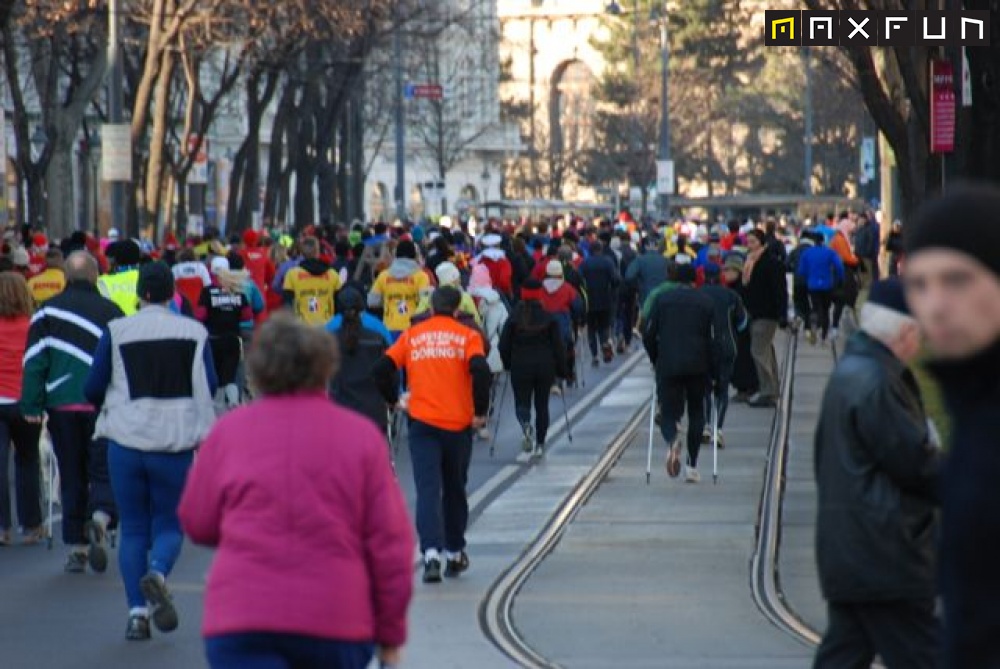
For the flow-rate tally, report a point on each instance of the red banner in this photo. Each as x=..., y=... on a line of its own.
x=942, y=107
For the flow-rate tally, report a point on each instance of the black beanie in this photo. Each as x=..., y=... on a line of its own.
x=406, y=249
x=965, y=219
x=156, y=283
x=889, y=293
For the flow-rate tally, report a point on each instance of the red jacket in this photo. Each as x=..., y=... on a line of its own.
x=260, y=267
x=336, y=560
x=501, y=274
x=13, y=339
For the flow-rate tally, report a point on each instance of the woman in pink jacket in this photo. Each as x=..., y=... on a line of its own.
x=314, y=566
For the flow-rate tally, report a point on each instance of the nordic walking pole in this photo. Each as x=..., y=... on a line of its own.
x=569, y=431
x=649, y=449
x=503, y=393
x=715, y=439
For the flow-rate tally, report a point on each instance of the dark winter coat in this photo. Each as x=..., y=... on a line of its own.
x=647, y=272
x=539, y=346
x=683, y=319
x=601, y=279
x=767, y=292
x=353, y=386
x=730, y=318
x=877, y=479
x=970, y=552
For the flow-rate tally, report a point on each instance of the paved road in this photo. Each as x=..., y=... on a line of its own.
x=658, y=576
x=50, y=620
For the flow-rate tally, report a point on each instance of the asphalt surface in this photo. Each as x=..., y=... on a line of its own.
x=53, y=620
x=658, y=575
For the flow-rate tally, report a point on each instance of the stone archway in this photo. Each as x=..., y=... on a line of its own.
x=571, y=110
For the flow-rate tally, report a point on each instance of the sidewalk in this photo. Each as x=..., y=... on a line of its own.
x=797, y=557
x=658, y=576
x=444, y=619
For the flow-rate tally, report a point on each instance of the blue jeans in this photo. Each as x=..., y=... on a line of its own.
x=262, y=650
x=147, y=489
x=440, y=470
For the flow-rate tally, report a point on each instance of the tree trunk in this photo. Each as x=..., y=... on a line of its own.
x=275, y=163
x=59, y=186
x=158, y=140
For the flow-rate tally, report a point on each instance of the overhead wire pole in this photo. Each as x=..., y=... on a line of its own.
x=115, y=112
x=397, y=55
x=808, y=138
x=664, y=149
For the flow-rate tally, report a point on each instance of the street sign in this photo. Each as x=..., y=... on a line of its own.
x=423, y=91
x=116, y=152
x=665, y=177
x=942, y=99
x=199, y=168
x=966, y=80
x=867, y=172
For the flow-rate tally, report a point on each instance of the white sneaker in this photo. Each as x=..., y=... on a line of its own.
x=556, y=390
x=691, y=475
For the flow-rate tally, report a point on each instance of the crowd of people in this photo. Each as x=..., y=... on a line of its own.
x=133, y=356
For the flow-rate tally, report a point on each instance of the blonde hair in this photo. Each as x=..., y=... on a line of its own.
x=15, y=298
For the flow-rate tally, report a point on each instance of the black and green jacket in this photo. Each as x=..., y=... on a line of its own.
x=61, y=344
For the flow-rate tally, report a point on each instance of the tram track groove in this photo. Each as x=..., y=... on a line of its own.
x=496, y=609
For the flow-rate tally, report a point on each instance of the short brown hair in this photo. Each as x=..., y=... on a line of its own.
x=289, y=356
x=15, y=298
x=309, y=247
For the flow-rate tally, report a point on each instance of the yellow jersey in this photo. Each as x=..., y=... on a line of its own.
x=47, y=285
x=314, y=294
x=400, y=297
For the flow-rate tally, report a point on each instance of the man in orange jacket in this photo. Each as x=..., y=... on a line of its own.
x=847, y=294
x=449, y=381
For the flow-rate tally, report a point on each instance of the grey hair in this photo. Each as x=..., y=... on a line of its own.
x=81, y=266
x=883, y=323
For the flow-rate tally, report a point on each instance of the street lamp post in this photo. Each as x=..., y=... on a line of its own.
x=485, y=176
x=95, y=165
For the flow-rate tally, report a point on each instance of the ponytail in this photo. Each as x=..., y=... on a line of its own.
x=350, y=331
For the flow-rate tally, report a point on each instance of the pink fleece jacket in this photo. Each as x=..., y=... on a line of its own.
x=312, y=531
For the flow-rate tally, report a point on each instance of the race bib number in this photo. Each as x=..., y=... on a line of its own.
x=312, y=305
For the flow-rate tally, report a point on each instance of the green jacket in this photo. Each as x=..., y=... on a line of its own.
x=61, y=344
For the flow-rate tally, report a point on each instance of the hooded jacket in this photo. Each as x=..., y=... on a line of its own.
x=311, y=288
x=397, y=291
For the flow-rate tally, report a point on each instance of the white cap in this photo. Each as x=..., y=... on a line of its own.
x=445, y=222
x=554, y=269
x=447, y=274
x=113, y=233
x=491, y=240
x=220, y=264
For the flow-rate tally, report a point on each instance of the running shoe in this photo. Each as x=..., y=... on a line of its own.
x=608, y=351
x=97, y=553
x=76, y=563
x=154, y=589
x=138, y=628
x=528, y=442
x=456, y=564
x=432, y=570
x=691, y=475
x=674, y=458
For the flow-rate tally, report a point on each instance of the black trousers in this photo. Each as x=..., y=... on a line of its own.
x=598, y=329
x=23, y=436
x=533, y=382
x=904, y=633
x=674, y=392
x=820, y=300
x=83, y=472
